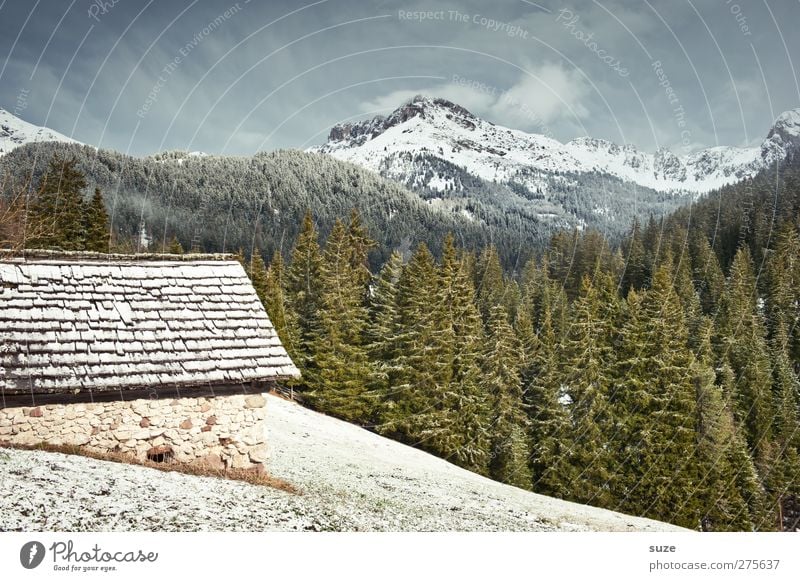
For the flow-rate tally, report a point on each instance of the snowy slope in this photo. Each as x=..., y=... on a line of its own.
x=446, y=131
x=15, y=132
x=350, y=479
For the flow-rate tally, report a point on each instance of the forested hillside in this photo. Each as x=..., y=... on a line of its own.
x=215, y=204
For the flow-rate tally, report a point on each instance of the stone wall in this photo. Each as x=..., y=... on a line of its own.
x=224, y=432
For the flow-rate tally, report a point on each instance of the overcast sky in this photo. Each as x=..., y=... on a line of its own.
x=239, y=77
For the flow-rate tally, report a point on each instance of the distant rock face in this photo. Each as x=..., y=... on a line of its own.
x=15, y=132
x=783, y=138
x=441, y=131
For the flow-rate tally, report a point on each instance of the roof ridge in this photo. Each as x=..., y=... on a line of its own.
x=81, y=255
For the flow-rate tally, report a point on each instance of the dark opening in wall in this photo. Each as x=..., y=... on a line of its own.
x=161, y=454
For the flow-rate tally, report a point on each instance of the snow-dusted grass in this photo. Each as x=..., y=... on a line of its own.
x=349, y=479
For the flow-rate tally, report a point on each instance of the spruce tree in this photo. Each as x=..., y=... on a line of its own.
x=462, y=329
x=175, y=246
x=584, y=358
x=706, y=272
x=783, y=288
x=783, y=477
x=382, y=330
x=743, y=341
x=303, y=290
x=547, y=417
x=337, y=383
x=659, y=461
x=723, y=504
x=510, y=448
x=257, y=271
x=57, y=213
x=419, y=371
x=96, y=224
x=274, y=298
x=489, y=282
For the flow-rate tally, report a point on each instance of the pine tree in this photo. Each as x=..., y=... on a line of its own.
x=96, y=224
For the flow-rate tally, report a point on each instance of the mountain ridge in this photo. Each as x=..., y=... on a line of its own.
x=491, y=152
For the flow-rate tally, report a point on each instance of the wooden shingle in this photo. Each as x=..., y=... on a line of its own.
x=72, y=322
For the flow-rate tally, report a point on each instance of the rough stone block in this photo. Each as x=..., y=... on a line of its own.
x=255, y=401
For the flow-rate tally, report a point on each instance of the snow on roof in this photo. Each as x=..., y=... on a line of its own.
x=82, y=321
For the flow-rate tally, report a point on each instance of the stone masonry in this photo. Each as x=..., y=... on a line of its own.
x=222, y=432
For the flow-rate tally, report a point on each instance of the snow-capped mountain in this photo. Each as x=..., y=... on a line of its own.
x=417, y=140
x=15, y=132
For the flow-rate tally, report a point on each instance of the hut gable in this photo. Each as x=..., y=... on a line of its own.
x=77, y=323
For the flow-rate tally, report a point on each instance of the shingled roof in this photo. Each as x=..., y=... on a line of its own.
x=78, y=322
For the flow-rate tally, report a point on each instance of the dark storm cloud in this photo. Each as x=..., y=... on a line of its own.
x=237, y=77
